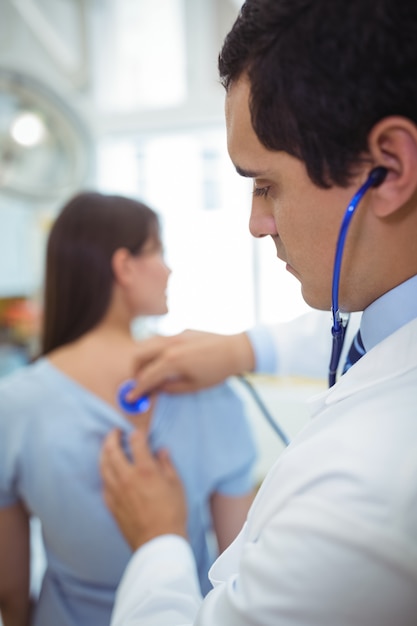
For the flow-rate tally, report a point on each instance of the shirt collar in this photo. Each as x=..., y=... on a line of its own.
x=388, y=313
x=395, y=356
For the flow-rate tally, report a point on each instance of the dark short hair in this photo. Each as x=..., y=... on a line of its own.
x=79, y=276
x=322, y=74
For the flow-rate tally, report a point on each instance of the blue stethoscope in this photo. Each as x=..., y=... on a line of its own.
x=139, y=405
x=340, y=320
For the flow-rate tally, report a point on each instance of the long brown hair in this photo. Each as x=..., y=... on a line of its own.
x=79, y=276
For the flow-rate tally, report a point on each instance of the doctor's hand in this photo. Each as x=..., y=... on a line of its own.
x=145, y=496
x=190, y=361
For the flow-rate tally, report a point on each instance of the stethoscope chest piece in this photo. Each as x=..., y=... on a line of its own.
x=139, y=405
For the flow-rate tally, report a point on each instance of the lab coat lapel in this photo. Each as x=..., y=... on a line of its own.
x=394, y=356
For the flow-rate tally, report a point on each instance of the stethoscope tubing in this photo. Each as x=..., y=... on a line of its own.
x=340, y=321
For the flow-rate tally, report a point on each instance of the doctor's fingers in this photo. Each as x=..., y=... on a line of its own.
x=151, y=472
x=166, y=466
x=115, y=462
x=150, y=349
x=155, y=375
x=175, y=364
x=150, y=468
x=154, y=364
x=181, y=367
x=114, y=465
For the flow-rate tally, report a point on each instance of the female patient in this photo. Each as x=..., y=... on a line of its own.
x=104, y=268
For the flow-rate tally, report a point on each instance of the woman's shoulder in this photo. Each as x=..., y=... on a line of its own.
x=211, y=405
x=24, y=384
x=226, y=392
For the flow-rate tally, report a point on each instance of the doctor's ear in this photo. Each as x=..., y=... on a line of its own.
x=393, y=144
x=120, y=264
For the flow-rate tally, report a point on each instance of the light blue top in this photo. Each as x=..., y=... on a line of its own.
x=51, y=433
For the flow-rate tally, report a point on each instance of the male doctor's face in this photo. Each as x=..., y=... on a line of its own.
x=302, y=219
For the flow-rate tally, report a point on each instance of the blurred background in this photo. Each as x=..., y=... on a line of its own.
x=123, y=96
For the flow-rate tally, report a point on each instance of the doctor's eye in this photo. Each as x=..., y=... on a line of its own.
x=261, y=192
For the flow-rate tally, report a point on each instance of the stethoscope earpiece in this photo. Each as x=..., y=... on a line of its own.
x=377, y=175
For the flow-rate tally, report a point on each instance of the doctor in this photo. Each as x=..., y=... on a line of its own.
x=319, y=93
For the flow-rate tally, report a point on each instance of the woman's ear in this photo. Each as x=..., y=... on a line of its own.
x=121, y=266
x=393, y=144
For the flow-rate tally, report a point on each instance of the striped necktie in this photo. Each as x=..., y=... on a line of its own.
x=356, y=350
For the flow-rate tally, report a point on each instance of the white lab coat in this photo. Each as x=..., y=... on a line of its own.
x=331, y=539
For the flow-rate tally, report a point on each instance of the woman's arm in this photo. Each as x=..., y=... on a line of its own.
x=229, y=515
x=14, y=566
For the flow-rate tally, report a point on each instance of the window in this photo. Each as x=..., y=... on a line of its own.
x=141, y=54
x=223, y=280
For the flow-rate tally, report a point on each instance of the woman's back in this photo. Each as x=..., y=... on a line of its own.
x=51, y=432
x=105, y=267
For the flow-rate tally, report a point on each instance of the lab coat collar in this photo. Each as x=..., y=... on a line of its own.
x=394, y=356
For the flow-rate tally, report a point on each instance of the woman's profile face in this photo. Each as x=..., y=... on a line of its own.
x=147, y=289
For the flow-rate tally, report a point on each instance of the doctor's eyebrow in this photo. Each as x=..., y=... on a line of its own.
x=246, y=173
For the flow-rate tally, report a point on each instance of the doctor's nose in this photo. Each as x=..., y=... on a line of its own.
x=261, y=222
